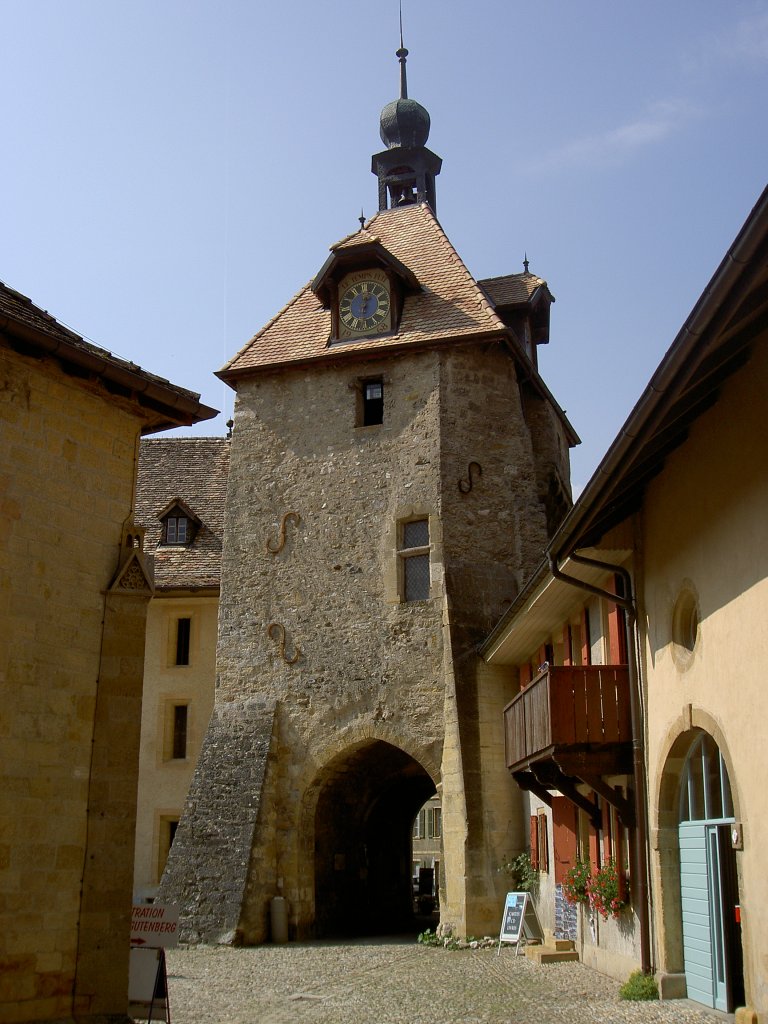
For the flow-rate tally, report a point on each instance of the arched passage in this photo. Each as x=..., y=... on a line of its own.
x=368, y=797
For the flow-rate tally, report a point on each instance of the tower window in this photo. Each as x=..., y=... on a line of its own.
x=414, y=558
x=371, y=403
x=183, y=631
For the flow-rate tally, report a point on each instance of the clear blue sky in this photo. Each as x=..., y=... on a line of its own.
x=174, y=170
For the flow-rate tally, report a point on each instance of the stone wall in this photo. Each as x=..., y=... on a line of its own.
x=320, y=627
x=207, y=868
x=71, y=675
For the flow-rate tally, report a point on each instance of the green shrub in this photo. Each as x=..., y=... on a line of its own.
x=639, y=986
x=523, y=874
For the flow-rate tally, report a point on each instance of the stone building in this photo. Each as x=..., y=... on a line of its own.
x=180, y=496
x=640, y=643
x=74, y=589
x=397, y=465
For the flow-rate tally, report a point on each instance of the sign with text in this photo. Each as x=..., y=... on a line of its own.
x=512, y=921
x=154, y=926
x=519, y=919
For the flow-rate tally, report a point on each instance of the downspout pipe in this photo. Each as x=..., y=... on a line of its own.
x=640, y=844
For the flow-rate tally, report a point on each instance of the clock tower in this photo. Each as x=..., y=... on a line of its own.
x=396, y=467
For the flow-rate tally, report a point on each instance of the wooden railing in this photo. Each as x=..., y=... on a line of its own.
x=566, y=706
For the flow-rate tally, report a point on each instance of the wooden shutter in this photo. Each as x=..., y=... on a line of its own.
x=543, y=844
x=564, y=836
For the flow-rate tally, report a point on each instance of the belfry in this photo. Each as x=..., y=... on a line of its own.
x=396, y=467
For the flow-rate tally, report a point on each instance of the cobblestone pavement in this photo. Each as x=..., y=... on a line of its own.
x=397, y=982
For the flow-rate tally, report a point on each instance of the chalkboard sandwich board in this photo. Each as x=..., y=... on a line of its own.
x=519, y=919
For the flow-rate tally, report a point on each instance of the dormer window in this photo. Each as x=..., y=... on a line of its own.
x=180, y=524
x=176, y=530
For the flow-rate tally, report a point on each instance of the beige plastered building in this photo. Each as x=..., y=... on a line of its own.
x=180, y=498
x=74, y=590
x=672, y=527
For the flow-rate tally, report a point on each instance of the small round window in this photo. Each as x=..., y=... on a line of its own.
x=685, y=624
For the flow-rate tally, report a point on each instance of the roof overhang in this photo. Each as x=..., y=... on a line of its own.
x=162, y=404
x=713, y=343
x=540, y=610
x=364, y=254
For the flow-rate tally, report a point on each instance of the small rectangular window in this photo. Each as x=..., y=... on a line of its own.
x=180, y=714
x=420, y=825
x=414, y=555
x=176, y=530
x=416, y=573
x=183, y=631
x=435, y=825
x=373, y=403
x=416, y=534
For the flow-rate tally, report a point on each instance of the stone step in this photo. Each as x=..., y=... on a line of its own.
x=551, y=954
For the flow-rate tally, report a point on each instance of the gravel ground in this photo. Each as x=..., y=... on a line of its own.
x=397, y=982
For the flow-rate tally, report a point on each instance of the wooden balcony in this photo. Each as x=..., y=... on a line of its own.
x=575, y=718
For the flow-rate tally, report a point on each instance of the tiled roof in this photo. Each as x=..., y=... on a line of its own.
x=450, y=306
x=20, y=317
x=512, y=289
x=194, y=470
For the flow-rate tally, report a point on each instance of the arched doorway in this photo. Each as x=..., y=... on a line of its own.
x=369, y=796
x=709, y=893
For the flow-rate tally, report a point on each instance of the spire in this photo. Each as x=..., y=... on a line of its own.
x=406, y=169
x=401, y=54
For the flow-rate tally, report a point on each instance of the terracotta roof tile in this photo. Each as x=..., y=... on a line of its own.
x=450, y=306
x=511, y=289
x=194, y=470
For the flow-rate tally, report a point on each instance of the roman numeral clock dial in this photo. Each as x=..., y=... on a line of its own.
x=364, y=307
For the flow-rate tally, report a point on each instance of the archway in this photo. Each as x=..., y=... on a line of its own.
x=368, y=798
x=701, y=882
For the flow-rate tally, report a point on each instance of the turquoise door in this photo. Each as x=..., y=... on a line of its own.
x=704, y=945
x=697, y=925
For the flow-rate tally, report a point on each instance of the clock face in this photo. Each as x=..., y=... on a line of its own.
x=364, y=306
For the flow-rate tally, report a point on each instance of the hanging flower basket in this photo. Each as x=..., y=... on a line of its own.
x=604, y=891
x=575, y=886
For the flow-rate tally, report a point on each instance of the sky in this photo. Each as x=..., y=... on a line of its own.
x=173, y=171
